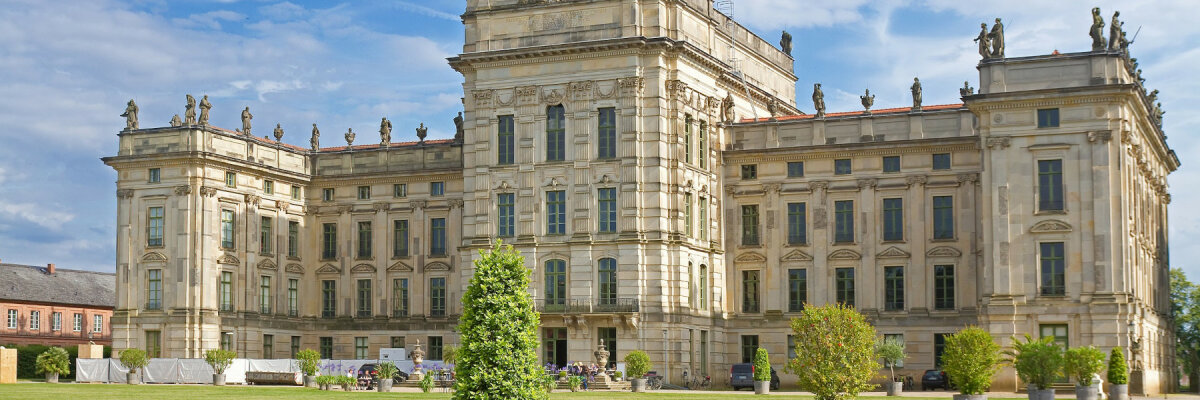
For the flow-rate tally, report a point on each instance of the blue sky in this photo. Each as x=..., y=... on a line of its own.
x=68, y=67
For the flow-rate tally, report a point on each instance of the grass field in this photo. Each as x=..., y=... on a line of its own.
x=42, y=391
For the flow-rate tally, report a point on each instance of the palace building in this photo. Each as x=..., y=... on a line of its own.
x=651, y=163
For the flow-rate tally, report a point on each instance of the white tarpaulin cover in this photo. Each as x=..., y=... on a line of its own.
x=91, y=370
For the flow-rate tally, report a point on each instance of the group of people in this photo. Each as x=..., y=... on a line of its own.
x=586, y=371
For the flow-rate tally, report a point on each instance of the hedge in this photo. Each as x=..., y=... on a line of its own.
x=27, y=360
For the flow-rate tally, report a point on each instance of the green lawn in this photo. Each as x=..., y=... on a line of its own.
x=41, y=391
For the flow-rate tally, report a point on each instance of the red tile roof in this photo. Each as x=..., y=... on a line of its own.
x=897, y=110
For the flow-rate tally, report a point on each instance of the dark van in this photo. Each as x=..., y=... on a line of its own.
x=742, y=376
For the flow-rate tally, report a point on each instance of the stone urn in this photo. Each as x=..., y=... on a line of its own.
x=1040, y=394
x=970, y=397
x=601, y=354
x=638, y=385
x=1089, y=392
x=385, y=385
x=1118, y=392
x=762, y=387
x=418, y=356
x=131, y=377
x=310, y=381
x=51, y=377
x=894, y=388
x=218, y=379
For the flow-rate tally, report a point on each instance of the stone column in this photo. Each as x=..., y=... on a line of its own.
x=867, y=274
x=820, y=245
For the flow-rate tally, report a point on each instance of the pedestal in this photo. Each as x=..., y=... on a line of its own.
x=1137, y=382
x=8, y=365
x=89, y=351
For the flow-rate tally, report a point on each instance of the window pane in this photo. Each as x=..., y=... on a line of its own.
x=702, y=154
x=437, y=229
x=556, y=146
x=293, y=239
x=364, y=239
x=797, y=289
x=893, y=219
x=556, y=212
x=437, y=298
x=941, y=161
x=437, y=189
x=703, y=219
x=893, y=286
x=943, y=217
x=943, y=287
x=845, y=286
x=400, y=238
x=842, y=167
x=750, y=291
x=750, y=225
x=400, y=298
x=227, y=231
x=750, y=171
x=154, y=237
x=506, y=140
x=795, y=169
x=688, y=228
x=608, y=281
x=1047, y=118
x=607, y=132
x=891, y=164
x=703, y=287
x=328, y=241
x=328, y=298
x=1050, y=185
x=364, y=298
x=266, y=235
x=607, y=208
x=154, y=289
x=797, y=223
x=264, y=294
x=843, y=221
x=507, y=219
x=1053, y=265
x=749, y=347
x=687, y=139
x=555, y=279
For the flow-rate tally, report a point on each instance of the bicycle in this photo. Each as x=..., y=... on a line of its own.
x=654, y=383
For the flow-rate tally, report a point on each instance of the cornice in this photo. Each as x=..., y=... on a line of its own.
x=803, y=153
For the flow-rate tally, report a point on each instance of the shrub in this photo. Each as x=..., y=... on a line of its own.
x=54, y=361
x=498, y=357
x=27, y=360
x=387, y=370
x=134, y=359
x=426, y=383
x=1082, y=363
x=970, y=359
x=219, y=359
x=574, y=382
x=1118, y=371
x=839, y=352
x=549, y=383
x=762, y=365
x=450, y=355
x=617, y=374
x=1038, y=362
x=637, y=364
x=309, y=361
x=892, y=352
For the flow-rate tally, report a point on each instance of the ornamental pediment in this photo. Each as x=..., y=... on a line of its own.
x=400, y=266
x=943, y=251
x=328, y=269
x=268, y=264
x=1050, y=226
x=893, y=252
x=153, y=257
x=437, y=266
x=228, y=259
x=797, y=255
x=750, y=258
x=362, y=268
x=294, y=268
x=845, y=254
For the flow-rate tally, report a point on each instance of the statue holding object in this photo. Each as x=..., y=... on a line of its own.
x=246, y=117
x=385, y=132
x=205, y=106
x=916, y=94
x=131, y=116
x=189, y=111
x=818, y=98
x=315, y=141
x=997, y=39
x=1097, y=30
x=785, y=43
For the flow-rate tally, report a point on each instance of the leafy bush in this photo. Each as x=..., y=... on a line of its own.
x=309, y=361
x=1082, y=363
x=838, y=348
x=323, y=379
x=637, y=364
x=892, y=352
x=1118, y=371
x=574, y=382
x=134, y=359
x=498, y=357
x=970, y=359
x=219, y=359
x=762, y=365
x=426, y=383
x=54, y=361
x=549, y=383
x=617, y=374
x=387, y=370
x=450, y=355
x=1038, y=361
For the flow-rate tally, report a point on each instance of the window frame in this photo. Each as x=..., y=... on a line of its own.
x=843, y=166
x=363, y=289
x=364, y=192
x=228, y=229
x=399, y=190
x=750, y=225
x=1052, y=289
x=893, y=219
x=556, y=212
x=843, y=222
x=797, y=220
x=225, y=290
x=437, y=237
x=893, y=288
x=268, y=186
x=556, y=133
x=795, y=169
x=154, y=175
x=606, y=281
x=505, y=140
x=328, y=298
x=329, y=250
x=154, y=280
x=944, y=290
x=230, y=179
x=328, y=194
x=943, y=218
x=400, y=297
x=606, y=208
x=891, y=164
x=264, y=294
x=751, y=291
x=606, y=132
x=155, y=226
x=437, y=297
x=1048, y=118
x=749, y=172
x=797, y=289
x=366, y=239
x=437, y=189
x=294, y=239
x=400, y=234
x=941, y=162
x=845, y=285
x=506, y=215
x=266, y=235
x=1050, y=184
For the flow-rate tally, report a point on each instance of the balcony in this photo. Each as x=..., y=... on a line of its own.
x=586, y=305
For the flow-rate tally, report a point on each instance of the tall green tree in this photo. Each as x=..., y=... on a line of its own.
x=837, y=352
x=498, y=357
x=1185, y=310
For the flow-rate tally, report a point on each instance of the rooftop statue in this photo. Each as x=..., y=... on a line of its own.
x=315, y=141
x=916, y=94
x=278, y=133
x=966, y=90
x=727, y=108
x=818, y=98
x=131, y=116
x=189, y=111
x=385, y=132
x=1116, y=33
x=349, y=137
x=175, y=121
x=421, y=132
x=772, y=108
x=246, y=117
x=1097, y=30
x=785, y=43
x=204, y=107
x=997, y=38
x=458, y=127
x=985, y=47
x=868, y=100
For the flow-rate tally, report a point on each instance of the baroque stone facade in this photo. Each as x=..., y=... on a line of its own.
x=664, y=203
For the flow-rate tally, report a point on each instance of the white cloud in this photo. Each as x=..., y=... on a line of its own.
x=775, y=14
x=211, y=20
x=37, y=214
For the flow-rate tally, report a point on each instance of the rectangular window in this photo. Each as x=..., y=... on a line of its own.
x=687, y=139
x=154, y=236
x=364, y=192
x=227, y=231
x=607, y=281
x=943, y=217
x=842, y=167
x=844, y=286
x=268, y=343
x=607, y=208
x=326, y=347
x=266, y=235
x=293, y=297
x=749, y=291
x=56, y=321
x=1050, y=185
x=435, y=348
x=506, y=142
x=155, y=175
x=437, y=297
x=703, y=153
x=364, y=298
x=76, y=323
x=797, y=223
x=893, y=288
x=327, y=194
x=893, y=219
x=556, y=212
x=295, y=347
x=749, y=171
x=400, y=298
x=12, y=319
x=703, y=206
x=295, y=192
x=268, y=187
x=843, y=211
x=891, y=164
x=153, y=344
x=555, y=279
x=400, y=190
x=797, y=289
x=400, y=238
x=1047, y=118
x=225, y=291
x=328, y=241
x=506, y=223
x=227, y=341
x=607, y=132
x=749, y=347
x=688, y=227
x=97, y=323
x=795, y=169
x=791, y=344
x=230, y=179
x=941, y=161
x=360, y=348
x=437, y=239
x=397, y=342
x=35, y=320
x=293, y=239
x=556, y=132
x=703, y=287
x=750, y=225
x=364, y=239
x=939, y=348
x=1054, y=273
x=1056, y=331
x=437, y=189
x=609, y=336
x=328, y=299
x=943, y=287
x=264, y=294
x=154, y=289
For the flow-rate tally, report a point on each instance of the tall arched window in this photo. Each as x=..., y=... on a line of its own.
x=608, y=281
x=556, y=128
x=703, y=296
x=556, y=283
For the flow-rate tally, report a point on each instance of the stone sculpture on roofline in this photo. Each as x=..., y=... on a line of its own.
x=175, y=121
x=131, y=115
x=785, y=43
x=916, y=94
x=1097, y=30
x=458, y=127
x=966, y=90
x=385, y=132
x=868, y=100
x=349, y=138
x=246, y=117
x=278, y=133
x=421, y=132
x=818, y=98
x=205, y=106
x=315, y=141
x=189, y=111
x=991, y=44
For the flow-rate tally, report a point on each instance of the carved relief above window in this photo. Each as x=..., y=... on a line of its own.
x=400, y=267
x=750, y=258
x=268, y=264
x=796, y=255
x=228, y=259
x=363, y=268
x=892, y=252
x=943, y=251
x=1050, y=226
x=153, y=257
x=294, y=268
x=328, y=269
x=845, y=254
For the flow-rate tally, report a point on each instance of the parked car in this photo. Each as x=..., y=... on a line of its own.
x=369, y=369
x=934, y=379
x=742, y=376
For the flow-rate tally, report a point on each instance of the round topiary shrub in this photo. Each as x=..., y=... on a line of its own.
x=836, y=348
x=1118, y=371
x=971, y=358
x=637, y=364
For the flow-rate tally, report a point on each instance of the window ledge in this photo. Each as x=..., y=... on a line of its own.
x=1051, y=212
x=801, y=244
x=293, y=258
x=404, y=257
x=364, y=258
x=900, y=241
x=845, y=243
x=750, y=246
x=943, y=240
x=155, y=247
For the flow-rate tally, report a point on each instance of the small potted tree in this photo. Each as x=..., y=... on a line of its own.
x=892, y=353
x=219, y=360
x=386, y=370
x=1118, y=375
x=1039, y=363
x=762, y=372
x=637, y=364
x=971, y=359
x=53, y=362
x=1084, y=363
x=134, y=360
x=309, y=360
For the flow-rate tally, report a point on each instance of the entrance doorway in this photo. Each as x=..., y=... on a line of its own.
x=554, y=343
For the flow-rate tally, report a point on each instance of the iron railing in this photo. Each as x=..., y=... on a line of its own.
x=587, y=305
